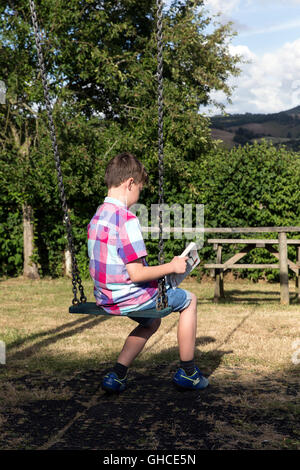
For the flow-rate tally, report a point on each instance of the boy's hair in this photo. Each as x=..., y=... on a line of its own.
x=124, y=166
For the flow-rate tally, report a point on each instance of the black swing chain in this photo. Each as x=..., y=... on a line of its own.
x=161, y=301
x=161, y=298
x=76, y=280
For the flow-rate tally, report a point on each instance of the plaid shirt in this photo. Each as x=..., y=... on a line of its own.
x=115, y=239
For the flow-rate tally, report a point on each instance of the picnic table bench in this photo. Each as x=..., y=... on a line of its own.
x=219, y=268
x=249, y=244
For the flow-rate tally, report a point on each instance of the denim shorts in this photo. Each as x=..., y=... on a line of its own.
x=178, y=299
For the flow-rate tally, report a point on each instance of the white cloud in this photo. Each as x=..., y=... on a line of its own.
x=228, y=7
x=272, y=28
x=271, y=2
x=270, y=83
x=222, y=6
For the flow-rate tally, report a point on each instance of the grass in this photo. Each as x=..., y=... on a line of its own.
x=244, y=344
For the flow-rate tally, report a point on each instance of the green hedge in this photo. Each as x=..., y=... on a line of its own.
x=252, y=186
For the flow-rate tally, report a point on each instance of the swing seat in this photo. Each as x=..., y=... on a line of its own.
x=91, y=308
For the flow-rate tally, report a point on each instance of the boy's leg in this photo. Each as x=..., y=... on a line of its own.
x=115, y=381
x=188, y=376
x=136, y=341
x=186, y=332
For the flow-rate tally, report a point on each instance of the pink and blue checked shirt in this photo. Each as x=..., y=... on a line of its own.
x=115, y=239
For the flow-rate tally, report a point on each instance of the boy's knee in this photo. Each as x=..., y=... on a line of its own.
x=193, y=303
x=193, y=298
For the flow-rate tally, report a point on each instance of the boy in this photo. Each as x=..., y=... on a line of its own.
x=124, y=282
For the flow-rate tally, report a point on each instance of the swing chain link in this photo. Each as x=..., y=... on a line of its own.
x=161, y=301
x=76, y=280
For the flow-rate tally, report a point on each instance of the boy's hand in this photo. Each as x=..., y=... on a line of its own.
x=178, y=264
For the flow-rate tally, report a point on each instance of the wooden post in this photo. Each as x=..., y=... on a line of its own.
x=298, y=273
x=219, y=284
x=30, y=268
x=283, y=266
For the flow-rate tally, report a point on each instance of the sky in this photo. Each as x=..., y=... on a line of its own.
x=269, y=39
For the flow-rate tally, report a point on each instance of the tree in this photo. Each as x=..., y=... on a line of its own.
x=18, y=124
x=252, y=186
x=101, y=63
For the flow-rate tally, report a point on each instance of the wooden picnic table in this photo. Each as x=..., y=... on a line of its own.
x=219, y=268
x=249, y=244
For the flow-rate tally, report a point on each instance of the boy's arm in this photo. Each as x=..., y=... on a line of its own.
x=140, y=273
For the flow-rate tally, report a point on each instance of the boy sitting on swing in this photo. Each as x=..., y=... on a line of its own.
x=123, y=281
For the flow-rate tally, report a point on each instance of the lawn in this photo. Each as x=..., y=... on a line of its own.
x=49, y=386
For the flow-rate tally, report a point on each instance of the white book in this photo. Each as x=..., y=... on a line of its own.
x=193, y=260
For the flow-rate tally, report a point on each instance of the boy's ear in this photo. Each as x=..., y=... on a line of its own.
x=130, y=182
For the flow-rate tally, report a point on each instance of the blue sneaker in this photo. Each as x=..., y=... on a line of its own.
x=111, y=383
x=193, y=382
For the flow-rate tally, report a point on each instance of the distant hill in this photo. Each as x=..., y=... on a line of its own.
x=238, y=129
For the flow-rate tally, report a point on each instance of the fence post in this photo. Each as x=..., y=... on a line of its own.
x=2, y=353
x=298, y=274
x=283, y=266
x=219, y=280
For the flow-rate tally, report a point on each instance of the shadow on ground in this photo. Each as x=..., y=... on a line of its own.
x=52, y=336
x=240, y=296
x=237, y=410
x=64, y=410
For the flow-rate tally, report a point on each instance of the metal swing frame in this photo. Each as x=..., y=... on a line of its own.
x=81, y=306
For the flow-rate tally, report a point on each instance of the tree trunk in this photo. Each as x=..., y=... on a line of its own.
x=30, y=269
x=68, y=263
